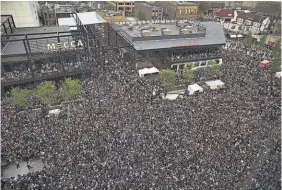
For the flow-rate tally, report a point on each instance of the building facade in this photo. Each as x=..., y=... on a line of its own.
x=48, y=15
x=150, y=12
x=25, y=13
x=256, y=23
x=186, y=11
x=126, y=6
x=169, y=9
x=179, y=10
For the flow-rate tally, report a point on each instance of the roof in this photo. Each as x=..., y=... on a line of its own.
x=226, y=13
x=252, y=16
x=148, y=5
x=193, y=88
x=216, y=5
x=90, y=18
x=214, y=36
x=214, y=83
x=17, y=47
x=145, y=71
x=70, y=21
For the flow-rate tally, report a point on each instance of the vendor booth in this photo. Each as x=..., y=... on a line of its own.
x=215, y=84
x=264, y=64
x=194, y=88
x=148, y=71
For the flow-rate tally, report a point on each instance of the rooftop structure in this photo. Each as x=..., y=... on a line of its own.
x=38, y=37
x=90, y=18
x=171, y=34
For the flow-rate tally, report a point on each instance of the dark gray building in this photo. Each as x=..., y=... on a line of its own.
x=151, y=12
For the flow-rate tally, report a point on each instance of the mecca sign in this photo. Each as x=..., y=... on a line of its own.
x=65, y=46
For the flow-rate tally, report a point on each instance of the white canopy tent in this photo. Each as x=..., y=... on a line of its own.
x=215, y=84
x=194, y=88
x=146, y=71
x=278, y=74
x=171, y=96
x=232, y=36
x=54, y=111
x=239, y=36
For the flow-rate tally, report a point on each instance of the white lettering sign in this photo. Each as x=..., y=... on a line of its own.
x=66, y=45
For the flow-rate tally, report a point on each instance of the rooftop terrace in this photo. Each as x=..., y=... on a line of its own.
x=152, y=36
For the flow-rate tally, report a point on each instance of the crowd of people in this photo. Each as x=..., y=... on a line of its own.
x=205, y=54
x=122, y=137
x=46, y=67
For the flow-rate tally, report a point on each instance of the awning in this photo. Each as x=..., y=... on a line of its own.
x=278, y=74
x=145, y=71
x=215, y=84
x=194, y=88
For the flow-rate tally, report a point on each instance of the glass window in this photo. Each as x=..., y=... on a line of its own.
x=181, y=67
x=217, y=61
x=196, y=64
x=174, y=67
x=203, y=63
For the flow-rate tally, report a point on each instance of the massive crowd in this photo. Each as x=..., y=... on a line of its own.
x=121, y=137
x=205, y=54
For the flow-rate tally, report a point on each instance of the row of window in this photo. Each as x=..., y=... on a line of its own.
x=187, y=11
x=195, y=64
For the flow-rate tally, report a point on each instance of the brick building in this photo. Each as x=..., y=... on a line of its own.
x=151, y=12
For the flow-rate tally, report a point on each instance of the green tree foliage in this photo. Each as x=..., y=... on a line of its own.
x=262, y=41
x=167, y=77
x=46, y=92
x=71, y=89
x=188, y=75
x=109, y=6
x=276, y=57
x=213, y=70
x=201, y=17
x=204, y=6
x=19, y=96
x=141, y=15
x=248, y=40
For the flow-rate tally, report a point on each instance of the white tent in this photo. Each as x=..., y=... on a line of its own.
x=215, y=84
x=239, y=36
x=54, y=111
x=146, y=71
x=171, y=96
x=278, y=74
x=232, y=36
x=194, y=88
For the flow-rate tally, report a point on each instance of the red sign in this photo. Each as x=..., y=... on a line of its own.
x=185, y=44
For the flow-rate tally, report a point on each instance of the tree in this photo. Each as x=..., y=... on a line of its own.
x=167, y=77
x=19, y=96
x=213, y=70
x=249, y=39
x=188, y=75
x=201, y=17
x=204, y=6
x=46, y=92
x=141, y=15
x=71, y=89
x=276, y=57
x=262, y=41
x=108, y=5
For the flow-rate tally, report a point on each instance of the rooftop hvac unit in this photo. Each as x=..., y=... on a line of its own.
x=146, y=32
x=186, y=31
x=166, y=31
